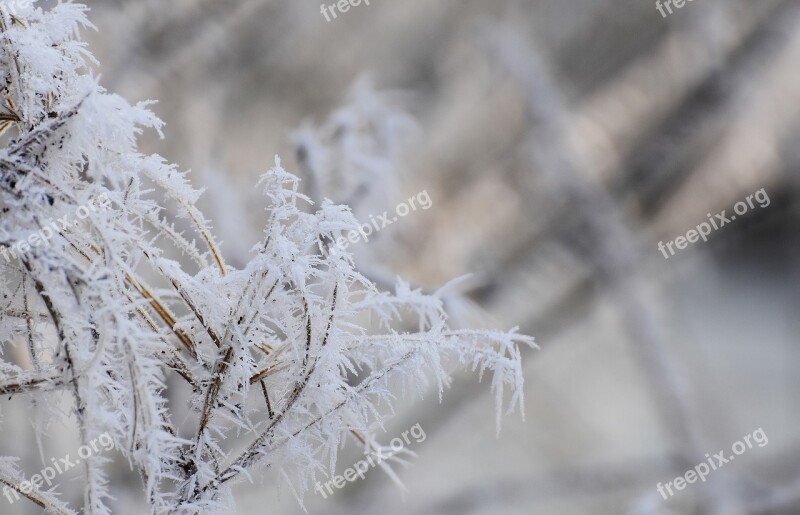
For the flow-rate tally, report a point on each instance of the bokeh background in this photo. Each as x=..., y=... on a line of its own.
x=559, y=141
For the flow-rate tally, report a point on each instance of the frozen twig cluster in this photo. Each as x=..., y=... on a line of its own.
x=284, y=357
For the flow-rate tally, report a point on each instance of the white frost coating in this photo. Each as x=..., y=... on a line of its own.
x=269, y=350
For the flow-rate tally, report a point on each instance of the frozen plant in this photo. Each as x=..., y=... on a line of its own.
x=283, y=358
x=351, y=157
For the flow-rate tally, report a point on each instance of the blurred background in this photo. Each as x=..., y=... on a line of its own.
x=559, y=142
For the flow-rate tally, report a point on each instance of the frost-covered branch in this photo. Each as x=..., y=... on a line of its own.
x=284, y=357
